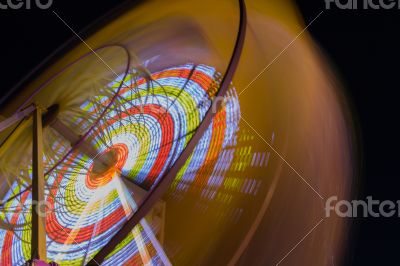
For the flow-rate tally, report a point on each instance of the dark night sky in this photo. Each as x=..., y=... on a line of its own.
x=363, y=46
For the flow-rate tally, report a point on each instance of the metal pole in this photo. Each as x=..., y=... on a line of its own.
x=38, y=241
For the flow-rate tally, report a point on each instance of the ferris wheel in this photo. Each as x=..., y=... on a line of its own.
x=150, y=143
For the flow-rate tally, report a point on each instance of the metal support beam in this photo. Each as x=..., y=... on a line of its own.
x=16, y=117
x=38, y=241
x=138, y=193
x=62, y=129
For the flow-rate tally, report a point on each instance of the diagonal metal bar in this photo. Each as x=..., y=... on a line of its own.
x=16, y=117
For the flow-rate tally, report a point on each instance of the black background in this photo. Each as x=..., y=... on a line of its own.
x=362, y=45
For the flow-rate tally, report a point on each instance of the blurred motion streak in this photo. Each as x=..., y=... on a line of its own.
x=109, y=141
